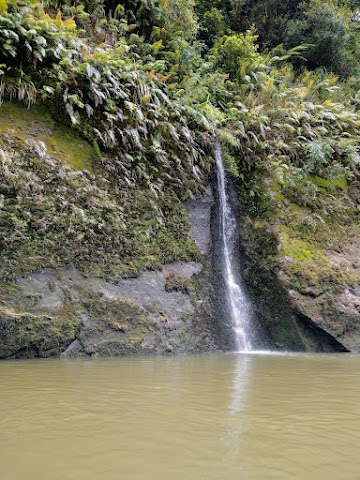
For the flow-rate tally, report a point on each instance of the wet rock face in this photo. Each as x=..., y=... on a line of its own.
x=199, y=209
x=336, y=311
x=306, y=313
x=164, y=311
x=138, y=315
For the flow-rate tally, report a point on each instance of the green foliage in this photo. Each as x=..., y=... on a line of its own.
x=151, y=85
x=324, y=26
x=52, y=215
x=213, y=26
x=290, y=126
x=268, y=16
x=29, y=39
x=180, y=20
x=3, y=7
x=232, y=52
x=108, y=93
x=134, y=121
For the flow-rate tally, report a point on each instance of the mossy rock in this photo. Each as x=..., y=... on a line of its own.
x=52, y=215
x=114, y=327
x=36, y=124
x=178, y=283
x=26, y=335
x=335, y=184
x=128, y=344
x=119, y=314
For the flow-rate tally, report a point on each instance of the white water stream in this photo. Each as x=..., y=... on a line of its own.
x=239, y=307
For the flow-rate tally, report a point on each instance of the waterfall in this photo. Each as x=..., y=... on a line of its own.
x=239, y=307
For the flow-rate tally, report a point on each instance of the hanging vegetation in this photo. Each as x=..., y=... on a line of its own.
x=150, y=85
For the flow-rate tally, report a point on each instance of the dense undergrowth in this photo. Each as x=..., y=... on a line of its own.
x=150, y=85
x=53, y=215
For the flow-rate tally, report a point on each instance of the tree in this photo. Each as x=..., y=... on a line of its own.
x=232, y=51
x=268, y=16
x=213, y=26
x=324, y=26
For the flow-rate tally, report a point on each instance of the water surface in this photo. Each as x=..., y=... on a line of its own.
x=217, y=417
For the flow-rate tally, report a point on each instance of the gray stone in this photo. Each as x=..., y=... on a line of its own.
x=199, y=210
x=175, y=321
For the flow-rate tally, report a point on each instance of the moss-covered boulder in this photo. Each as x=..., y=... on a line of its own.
x=27, y=335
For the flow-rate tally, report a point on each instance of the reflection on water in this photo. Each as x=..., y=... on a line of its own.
x=245, y=416
x=235, y=433
x=240, y=382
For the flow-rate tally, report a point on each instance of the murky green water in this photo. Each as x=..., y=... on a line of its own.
x=193, y=418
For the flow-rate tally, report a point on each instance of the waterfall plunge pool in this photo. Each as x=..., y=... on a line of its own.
x=210, y=417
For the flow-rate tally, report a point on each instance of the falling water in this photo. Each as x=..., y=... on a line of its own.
x=238, y=305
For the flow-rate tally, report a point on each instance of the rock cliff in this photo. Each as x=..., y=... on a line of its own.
x=301, y=252
x=76, y=282
x=85, y=268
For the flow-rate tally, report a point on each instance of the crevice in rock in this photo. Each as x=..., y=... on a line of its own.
x=317, y=338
